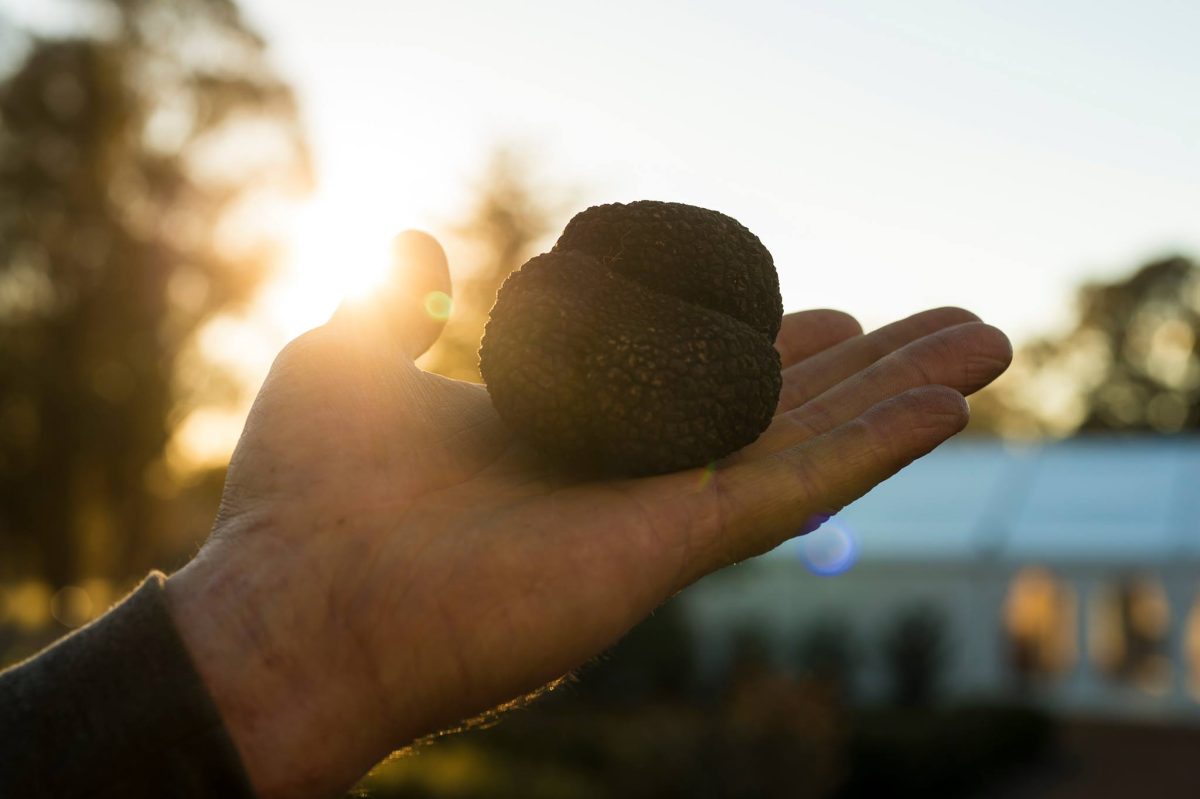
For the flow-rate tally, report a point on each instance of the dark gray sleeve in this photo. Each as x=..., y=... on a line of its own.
x=115, y=710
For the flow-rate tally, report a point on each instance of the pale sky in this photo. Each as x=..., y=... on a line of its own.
x=891, y=155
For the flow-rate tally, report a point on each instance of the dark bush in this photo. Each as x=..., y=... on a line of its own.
x=947, y=753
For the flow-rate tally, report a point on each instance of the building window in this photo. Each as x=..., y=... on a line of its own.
x=1191, y=649
x=1128, y=625
x=1039, y=619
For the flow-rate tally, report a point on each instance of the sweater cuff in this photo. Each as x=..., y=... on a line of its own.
x=116, y=709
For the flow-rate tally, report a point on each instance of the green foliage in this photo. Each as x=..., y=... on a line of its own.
x=1131, y=362
x=133, y=163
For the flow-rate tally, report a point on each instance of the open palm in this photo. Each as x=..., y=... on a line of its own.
x=388, y=555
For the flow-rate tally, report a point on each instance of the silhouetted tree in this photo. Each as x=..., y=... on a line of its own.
x=134, y=166
x=515, y=216
x=1132, y=362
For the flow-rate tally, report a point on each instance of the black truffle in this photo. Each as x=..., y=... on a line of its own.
x=642, y=343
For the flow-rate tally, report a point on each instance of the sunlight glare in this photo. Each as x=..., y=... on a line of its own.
x=334, y=254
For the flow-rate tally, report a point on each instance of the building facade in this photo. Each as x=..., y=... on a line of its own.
x=1064, y=572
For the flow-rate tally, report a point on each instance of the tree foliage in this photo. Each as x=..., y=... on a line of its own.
x=135, y=165
x=512, y=216
x=1130, y=363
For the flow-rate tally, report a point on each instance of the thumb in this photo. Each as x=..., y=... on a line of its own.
x=418, y=290
x=410, y=309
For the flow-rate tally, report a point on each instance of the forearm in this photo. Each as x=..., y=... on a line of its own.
x=116, y=709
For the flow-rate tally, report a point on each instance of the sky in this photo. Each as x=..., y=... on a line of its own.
x=892, y=156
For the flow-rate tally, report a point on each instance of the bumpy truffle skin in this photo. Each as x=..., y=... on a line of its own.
x=591, y=361
x=692, y=253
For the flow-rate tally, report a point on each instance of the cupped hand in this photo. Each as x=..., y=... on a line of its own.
x=388, y=560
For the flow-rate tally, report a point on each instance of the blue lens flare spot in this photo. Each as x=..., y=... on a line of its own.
x=830, y=549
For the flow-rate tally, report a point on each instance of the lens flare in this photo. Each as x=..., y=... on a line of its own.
x=830, y=549
x=438, y=305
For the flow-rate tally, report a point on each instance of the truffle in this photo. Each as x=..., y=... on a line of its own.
x=642, y=343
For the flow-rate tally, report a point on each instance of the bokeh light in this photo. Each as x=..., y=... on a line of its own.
x=26, y=605
x=71, y=606
x=438, y=305
x=829, y=550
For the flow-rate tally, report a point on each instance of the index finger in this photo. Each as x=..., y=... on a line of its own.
x=750, y=507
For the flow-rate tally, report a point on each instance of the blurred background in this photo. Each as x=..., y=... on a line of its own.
x=186, y=184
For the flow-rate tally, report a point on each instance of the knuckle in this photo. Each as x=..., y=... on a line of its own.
x=939, y=410
x=963, y=356
x=302, y=349
x=876, y=445
x=881, y=343
x=979, y=369
x=811, y=419
x=807, y=474
x=990, y=354
x=914, y=365
x=790, y=396
x=923, y=363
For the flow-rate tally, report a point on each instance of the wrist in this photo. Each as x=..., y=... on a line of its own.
x=281, y=704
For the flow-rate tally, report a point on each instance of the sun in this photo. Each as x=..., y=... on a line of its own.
x=332, y=255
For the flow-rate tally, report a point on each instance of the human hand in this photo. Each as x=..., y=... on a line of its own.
x=388, y=560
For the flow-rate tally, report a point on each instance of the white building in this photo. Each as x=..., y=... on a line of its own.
x=1068, y=570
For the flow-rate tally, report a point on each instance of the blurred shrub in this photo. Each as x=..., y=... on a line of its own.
x=914, y=650
x=779, y=737
x=773, y=738
x=827, y=651
x=654, y=662
x=770, y=734
x=943, y=753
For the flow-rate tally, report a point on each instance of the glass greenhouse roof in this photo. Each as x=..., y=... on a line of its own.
x=1086, y=499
